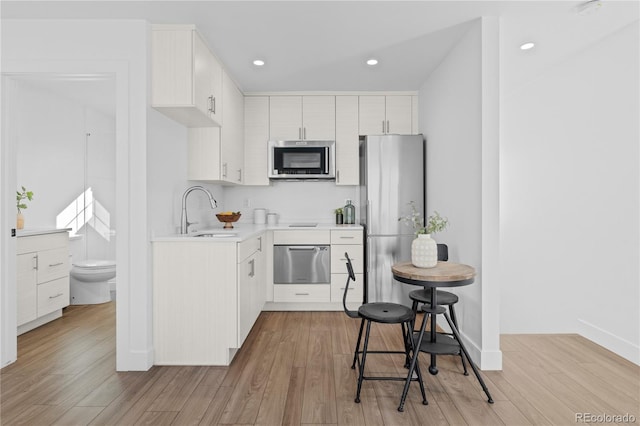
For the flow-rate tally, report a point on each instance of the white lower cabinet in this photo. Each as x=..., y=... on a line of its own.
x=206, y=298
x=43, y=279
x=350, y=242
x=356, y=289
x=301, y=292
x=323, y=296
x=252, y=289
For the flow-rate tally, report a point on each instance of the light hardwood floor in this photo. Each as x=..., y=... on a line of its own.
x=294, y=368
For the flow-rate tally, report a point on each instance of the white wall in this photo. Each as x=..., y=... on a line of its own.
x=292, y=201
x=569, y=198
x=453, y=112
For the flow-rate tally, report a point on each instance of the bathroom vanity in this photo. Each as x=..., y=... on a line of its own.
x=42, y=276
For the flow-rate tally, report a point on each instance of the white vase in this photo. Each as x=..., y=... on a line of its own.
x=424, y=251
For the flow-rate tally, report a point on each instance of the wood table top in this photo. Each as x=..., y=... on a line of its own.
x=442, y=272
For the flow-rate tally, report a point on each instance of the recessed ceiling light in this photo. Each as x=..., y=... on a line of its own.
x=528, y=45
x=258, y=62
x=372, y=62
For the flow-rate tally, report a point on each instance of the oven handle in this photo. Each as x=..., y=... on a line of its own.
x=306, y=248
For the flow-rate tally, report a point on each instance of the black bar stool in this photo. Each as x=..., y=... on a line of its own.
x=384, y=313
x=443, y=298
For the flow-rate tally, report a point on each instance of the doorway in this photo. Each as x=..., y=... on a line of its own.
x=62, y=135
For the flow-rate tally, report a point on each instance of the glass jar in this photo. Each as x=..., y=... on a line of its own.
x=349, y=213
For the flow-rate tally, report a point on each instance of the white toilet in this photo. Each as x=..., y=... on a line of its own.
x=89, y=281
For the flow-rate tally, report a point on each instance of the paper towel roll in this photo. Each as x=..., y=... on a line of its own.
x=260, y=216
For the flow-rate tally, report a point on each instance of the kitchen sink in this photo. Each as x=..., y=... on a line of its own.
x=216, y=235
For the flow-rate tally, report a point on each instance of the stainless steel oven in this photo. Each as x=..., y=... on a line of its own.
x=298, y=264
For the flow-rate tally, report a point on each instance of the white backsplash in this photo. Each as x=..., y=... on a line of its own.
x=303, y=201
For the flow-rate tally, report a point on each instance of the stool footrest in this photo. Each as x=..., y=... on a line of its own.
x=444, y=344
x=438, y=310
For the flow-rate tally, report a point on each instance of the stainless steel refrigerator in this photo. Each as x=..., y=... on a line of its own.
x=392, y=174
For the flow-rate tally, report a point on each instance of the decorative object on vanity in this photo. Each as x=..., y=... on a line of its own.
x=339, y=216
x=424, y=250
x=228, y=218
x=349, y=213
x=20, y=198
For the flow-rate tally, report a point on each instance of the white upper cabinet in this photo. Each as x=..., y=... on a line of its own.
x=347, y=141
x=285, y=117
x=232, y=132
x=216, y=153
x=186, y=78
x=381, y=115
x=398, y=109
x=302, y=117
x=319, y=117
x=256, y=136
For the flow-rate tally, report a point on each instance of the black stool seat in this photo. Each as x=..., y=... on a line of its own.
x=442, y=297
x=387, y=313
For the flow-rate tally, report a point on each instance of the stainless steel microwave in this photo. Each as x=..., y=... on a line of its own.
x=300, y=160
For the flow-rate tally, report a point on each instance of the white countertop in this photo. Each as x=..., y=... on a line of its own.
x=242, y=231
x=28, y=232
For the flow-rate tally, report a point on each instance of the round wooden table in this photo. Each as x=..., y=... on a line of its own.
x=444, y=274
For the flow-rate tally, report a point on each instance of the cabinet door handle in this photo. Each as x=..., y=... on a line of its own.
x=304, y=133
x=388, y=131
x=239, y=175
x=210, y=99
x=213, y=106
x=260, y=242
x=347, y=238
x=224, y=170
x=342, y=288
x=326, y=157
x=57, y=295
x=252, y=262
x=35, y=262
x=382, y=126
x=337, y=176
x=302, y=294
x=299, y=132
x=51, y=265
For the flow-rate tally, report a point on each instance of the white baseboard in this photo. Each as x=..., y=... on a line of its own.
x=489, y=360
x=614, y=343
x=137, y=361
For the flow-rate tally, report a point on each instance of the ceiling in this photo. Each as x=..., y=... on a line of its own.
x=323, y=45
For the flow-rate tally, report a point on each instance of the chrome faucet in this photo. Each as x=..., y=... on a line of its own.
x=184, y=223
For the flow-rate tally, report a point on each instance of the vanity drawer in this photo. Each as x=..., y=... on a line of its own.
x=355, y=294
x=53, y=264
x=301, y=292
x=352, y=236
x=53, y=295
x=339, y=262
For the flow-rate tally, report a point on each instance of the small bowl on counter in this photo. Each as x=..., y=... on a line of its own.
x=228, y=219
